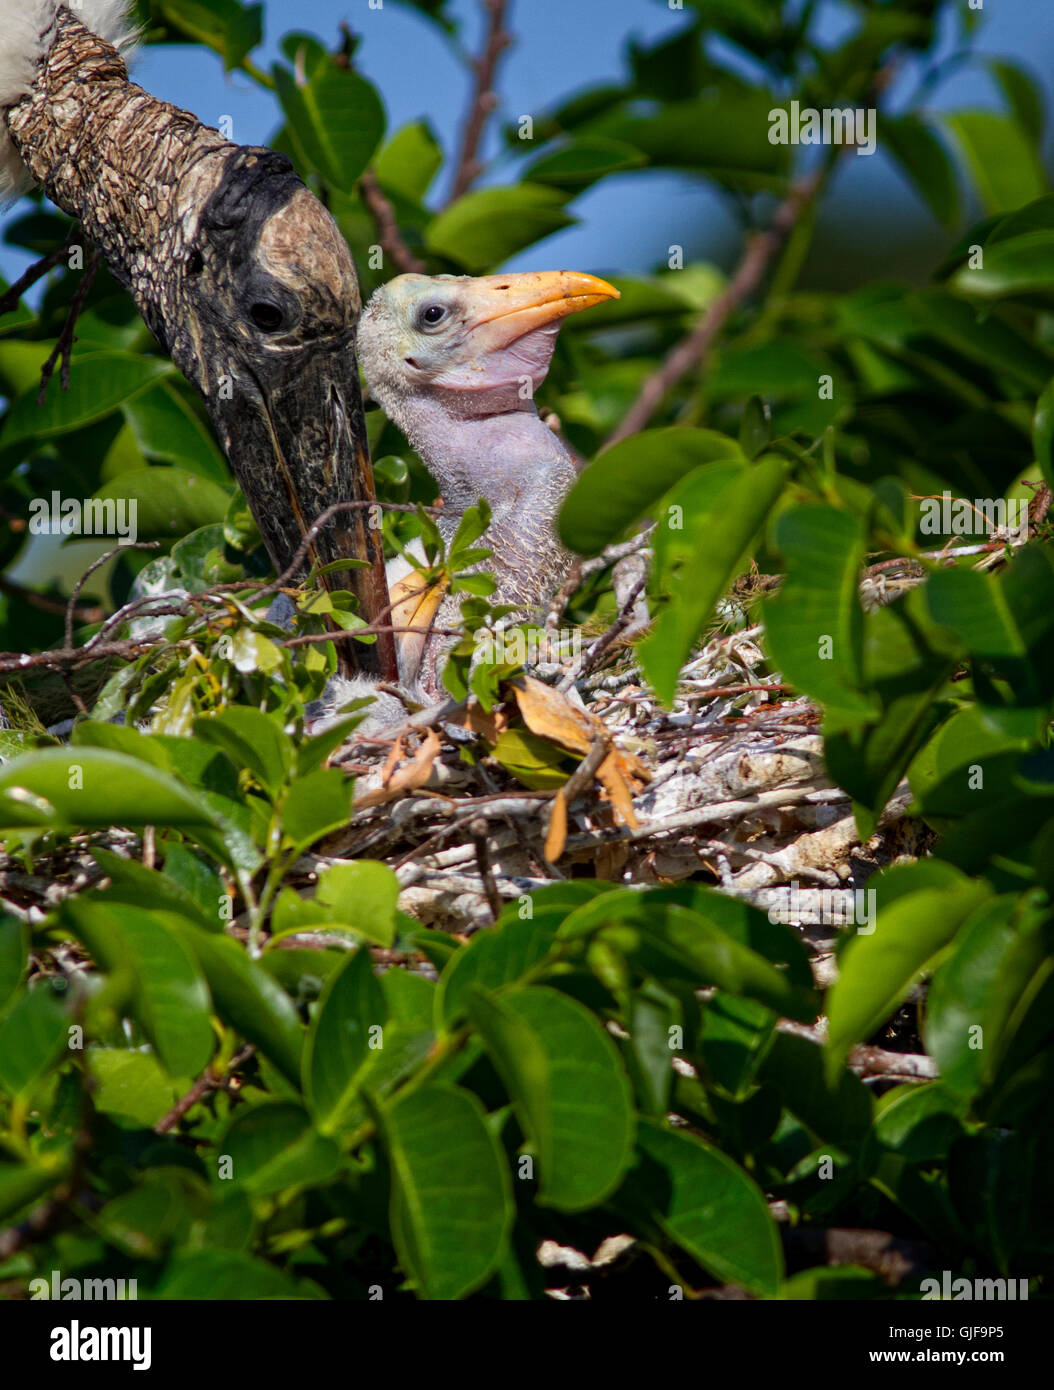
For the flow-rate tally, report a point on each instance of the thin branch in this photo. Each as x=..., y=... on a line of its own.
x=759, y=253
x=46, y=605
x=388, y=234
x=484, y=99
x=97, y=564
x=205, y=1083
x=593, y=654
x=63, y=349
x=9, y=299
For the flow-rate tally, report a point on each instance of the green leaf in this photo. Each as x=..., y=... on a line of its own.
x=973, y=1001
x=246, y=997
x=228, y=26
x=1018, y=266
x=132, y=1085
x=1003, y=620
x=409, y=162
x=337, y=119
x=627, y=481
x=33, y=1038
x=696, y=934
x=719, y=510
x=347, y=1025
x=81, y=788
x=167, y=502
x=576, y=164
x=168, y=430
x=488, y=225
x=451, y=1205
x=273, y=1148
x=724, y=134
x=253, y=740
x=100, y=382
x=920, y=909
x=1043, y=432
x=1005, y=164
x=917, y=148
x=227, y=1274
x=359, y=897
x=919, y=1123
x=815, y=623
x=24, y=1183
x=501, y=956
x=316, y=805
x=169, y=998
x=1023, y=95
x=567, y=1085
x=14, y=949
x=702, y=1200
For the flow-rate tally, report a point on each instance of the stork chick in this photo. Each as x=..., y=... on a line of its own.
x=455, y=362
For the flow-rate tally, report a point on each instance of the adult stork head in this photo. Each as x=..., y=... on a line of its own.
x=455, y=361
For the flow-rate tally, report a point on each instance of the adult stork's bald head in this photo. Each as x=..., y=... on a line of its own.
x=455, y=362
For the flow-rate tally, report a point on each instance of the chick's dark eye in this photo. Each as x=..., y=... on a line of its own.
x=433, y=313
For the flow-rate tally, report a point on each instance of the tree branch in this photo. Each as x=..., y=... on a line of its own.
x=388, y=233
x=484, y=99
x=748, y=275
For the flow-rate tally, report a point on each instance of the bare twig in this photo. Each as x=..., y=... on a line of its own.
x=388, y=234
x=748, y=275
x=63, y=349
x=9, y=299
x=593, y=653
x=97, y=564
x=484, y=98
x=205, y=1083
x=45, y=604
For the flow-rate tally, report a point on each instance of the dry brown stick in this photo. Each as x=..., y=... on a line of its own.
x=63, y=349
x=760, y=250
x=600, y=646
x=205, y=1083
x=389, y=236
x=46, y=605
x=9, y=299
x=97, y=564
x=484, y=98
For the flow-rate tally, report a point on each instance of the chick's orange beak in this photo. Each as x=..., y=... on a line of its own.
x=506, y=307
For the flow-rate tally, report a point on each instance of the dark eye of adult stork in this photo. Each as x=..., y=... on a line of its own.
x=269, y=317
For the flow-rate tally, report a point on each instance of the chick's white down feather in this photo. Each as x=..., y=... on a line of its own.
x=25, y=35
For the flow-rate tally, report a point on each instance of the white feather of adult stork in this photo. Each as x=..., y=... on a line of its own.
x=26, y=33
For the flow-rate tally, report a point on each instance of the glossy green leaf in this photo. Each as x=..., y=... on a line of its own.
x=1002, y=159
x=248, y=999
x=488, y=225
x=33, y=1039
x=451, y=1203
x=338, y=120
x=567, y=1085
x=704, y=1202
x=169, y=997
x=89, y=787
x=272, y=1148
x=920, y=908
x=100, y=382
x=815, y=623
x=348, y=1024
x=628, y=480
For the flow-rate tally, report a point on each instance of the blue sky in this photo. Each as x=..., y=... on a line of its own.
x=561, y=46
